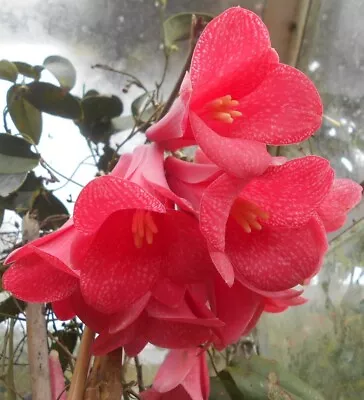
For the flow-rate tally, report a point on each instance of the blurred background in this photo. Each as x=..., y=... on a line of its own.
x=322, y=341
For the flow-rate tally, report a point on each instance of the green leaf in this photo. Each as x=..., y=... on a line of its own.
x=11, y=182
x=218, y=390
x=98, y=112
x=98, y=107
x=67, y=338
x=16, y=159
x=48, y=205
x=8, y=71
x=28, y=70
x=26, y=118
x=178, y=27
x=271, y=370
x=123, y=123
x=16, y=155
x=91, y=92
x=62, y=69
x=53, y=100
x=142, y=108
x=10, y=308
x=245, y=384
x=22, y=200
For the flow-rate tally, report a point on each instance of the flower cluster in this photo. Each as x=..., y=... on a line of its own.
x=183, y=254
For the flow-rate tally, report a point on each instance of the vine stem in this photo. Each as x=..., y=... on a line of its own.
x=196, y=28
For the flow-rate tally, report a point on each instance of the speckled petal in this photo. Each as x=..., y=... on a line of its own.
x=292, y=192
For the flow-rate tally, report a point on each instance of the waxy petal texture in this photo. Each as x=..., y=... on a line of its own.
x=240, y=157
x=343, y=196
x=276, y=259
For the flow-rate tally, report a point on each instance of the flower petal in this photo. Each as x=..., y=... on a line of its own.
x=122, y=166
x=236, y=306
x=115, y=273
x=168, y=292
x=106, y=195
x=94, y=319
x=176, y=335
x=175, y=368
x=32, y=279
x=228, y=45
x=188, y=260
x=63, y=309
x=216, y=203
x=276, y=259
x=344, y=195
x=126, y=317
x=190, y=172
x=107, y=342
x=173, y=125
x=238, y=157
x=285, y=108
x=291, y=193
x=53, y=248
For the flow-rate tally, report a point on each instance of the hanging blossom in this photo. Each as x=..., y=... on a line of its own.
x=237, y=98
x=141, y=242
x=187, y=255
x=268, y=231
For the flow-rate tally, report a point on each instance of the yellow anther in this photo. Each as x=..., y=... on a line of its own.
x=246, y=214
x=143, y=227
x=222, y=109
x=235, y=114
x=223, y=117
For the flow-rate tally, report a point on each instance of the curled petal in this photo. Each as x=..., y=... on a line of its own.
x=32, y=279
x=343, y=196
x=173, y=125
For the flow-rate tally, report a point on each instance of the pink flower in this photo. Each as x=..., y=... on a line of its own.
x=140, y=239
x=265, y=230
x=183, y=375
x=238, y=97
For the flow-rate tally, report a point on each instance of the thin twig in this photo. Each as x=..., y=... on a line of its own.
x=196, y=27
x=139, y=372
x=212, y=362
x=136, y=80
x=50, y=170
x=73, y=173
x=5, y=112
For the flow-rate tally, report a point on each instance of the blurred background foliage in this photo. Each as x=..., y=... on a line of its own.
x=65, y=122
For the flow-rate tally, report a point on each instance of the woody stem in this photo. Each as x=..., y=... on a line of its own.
x=82, y=365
